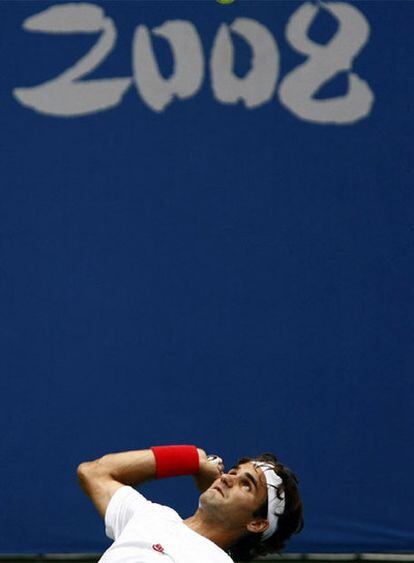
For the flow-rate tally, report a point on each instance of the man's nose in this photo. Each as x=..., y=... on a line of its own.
x=227, y=479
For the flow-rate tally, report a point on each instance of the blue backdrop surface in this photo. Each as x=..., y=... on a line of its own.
x=206, y=236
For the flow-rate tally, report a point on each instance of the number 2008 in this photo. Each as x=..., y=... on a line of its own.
x=70, y=95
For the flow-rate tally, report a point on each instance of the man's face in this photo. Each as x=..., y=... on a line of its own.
x=235, y=496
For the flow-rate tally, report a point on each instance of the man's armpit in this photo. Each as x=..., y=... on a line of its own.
x=124, y=504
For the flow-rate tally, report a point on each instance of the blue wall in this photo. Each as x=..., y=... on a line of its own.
x=234, y=269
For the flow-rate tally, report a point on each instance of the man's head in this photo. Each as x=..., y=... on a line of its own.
x=239, y=500
x=234, y=497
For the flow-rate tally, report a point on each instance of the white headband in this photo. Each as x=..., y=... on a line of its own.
x=275, y=505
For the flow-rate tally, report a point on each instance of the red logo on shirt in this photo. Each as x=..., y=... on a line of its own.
x=158, y=547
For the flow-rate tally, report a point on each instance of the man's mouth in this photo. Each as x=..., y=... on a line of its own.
x=219, y=490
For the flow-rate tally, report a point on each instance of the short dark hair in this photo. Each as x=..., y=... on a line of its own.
x=289, y=523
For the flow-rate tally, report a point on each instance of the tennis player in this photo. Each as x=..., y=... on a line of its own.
x=250, y=510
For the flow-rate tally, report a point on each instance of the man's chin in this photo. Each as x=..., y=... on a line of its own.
x=207, y=497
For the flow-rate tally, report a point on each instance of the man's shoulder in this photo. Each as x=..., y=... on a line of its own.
x=207, y=551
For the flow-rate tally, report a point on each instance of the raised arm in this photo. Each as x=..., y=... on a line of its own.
x=101, y=478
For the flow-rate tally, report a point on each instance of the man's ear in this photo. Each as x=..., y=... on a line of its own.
x=258, y=526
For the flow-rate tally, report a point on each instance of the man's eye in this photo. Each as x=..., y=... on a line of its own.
x=247, y=484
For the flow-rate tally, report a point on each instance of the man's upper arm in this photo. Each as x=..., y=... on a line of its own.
x=99, y=488
x=125, y=504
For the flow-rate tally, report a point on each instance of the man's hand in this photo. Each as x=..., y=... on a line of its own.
x=211, y=468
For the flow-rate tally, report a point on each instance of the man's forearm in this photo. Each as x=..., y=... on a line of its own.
x=129, y=468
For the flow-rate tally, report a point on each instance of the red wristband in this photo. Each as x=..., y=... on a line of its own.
x=172, y=461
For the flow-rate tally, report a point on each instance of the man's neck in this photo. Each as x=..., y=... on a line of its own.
x=212, y=530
